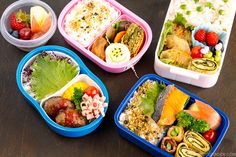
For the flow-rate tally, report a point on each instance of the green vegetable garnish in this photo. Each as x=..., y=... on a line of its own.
x=184, y=119
x=50, y=75
x=167, y=61
x=168, y=29
x=196, y=1
x=225, y=1
x=180, y=19
x=168, y=146
x=209, y=5
x=190, y=123
x=188, y=12
x=221, y=12
x=116, y=25
x=199, y=9
x=174, y=132
x=200, y=126
x=148, y=101
x=77, y=98
x=183, y=6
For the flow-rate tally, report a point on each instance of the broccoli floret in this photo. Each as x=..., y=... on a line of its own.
x=184, y=119
x=200, y=126
x=190, y=123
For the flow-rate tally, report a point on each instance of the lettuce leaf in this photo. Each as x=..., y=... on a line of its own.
x=148, y=101
x=180, y=20
x=168, y=30
x=50, y=75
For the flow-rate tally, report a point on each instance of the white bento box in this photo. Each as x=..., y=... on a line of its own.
x=185, y=75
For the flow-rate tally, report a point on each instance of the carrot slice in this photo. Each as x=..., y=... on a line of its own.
x=119, y=36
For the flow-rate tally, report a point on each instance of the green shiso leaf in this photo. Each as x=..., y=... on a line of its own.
x=148, y=101
x=50, y=75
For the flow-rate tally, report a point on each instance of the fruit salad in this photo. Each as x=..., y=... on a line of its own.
x=29, y=26
x=88, y=19
x=194, y=35
x=120, y=43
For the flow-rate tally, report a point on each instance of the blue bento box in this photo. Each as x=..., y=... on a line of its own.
x=64, y=131
x=155, y=149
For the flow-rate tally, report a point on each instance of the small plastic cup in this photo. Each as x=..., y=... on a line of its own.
x=26, y=45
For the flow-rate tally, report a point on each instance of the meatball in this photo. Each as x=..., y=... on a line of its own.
x=70, y=118
x=53, y=105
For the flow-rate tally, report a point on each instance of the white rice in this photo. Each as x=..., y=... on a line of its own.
x=209, y=16
x=84, y=23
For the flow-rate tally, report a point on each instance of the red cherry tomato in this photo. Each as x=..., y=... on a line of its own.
x=210, y=136
x=196, y=52
x=91, y=91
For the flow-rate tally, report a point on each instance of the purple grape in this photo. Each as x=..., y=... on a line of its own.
x=15, y=34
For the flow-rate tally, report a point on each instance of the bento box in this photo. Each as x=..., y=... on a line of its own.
x=28, y=24
x=106, y=32
x=193, y=41
x=68, y=96
x=166, y=120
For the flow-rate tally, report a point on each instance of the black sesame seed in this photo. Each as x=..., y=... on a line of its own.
x=126, y=121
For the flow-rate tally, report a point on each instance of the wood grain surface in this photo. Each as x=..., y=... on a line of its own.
x=23, y=133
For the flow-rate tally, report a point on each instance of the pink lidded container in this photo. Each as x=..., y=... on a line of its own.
x=122, y=13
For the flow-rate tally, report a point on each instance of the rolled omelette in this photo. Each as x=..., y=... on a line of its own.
x=197, y=142
x=184, y=151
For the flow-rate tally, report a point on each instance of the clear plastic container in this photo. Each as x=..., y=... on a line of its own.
x=26, y=45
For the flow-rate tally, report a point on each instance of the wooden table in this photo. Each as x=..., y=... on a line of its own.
x=23, y=133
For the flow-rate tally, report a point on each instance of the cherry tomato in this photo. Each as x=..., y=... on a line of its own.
x=210, y=136
x=196, y=52
x=91, y=91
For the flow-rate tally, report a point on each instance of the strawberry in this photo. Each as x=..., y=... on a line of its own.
x=196, y=52
x=212, y=38
x=19, y=20
x=200, y=35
